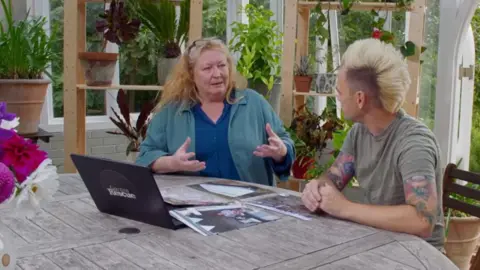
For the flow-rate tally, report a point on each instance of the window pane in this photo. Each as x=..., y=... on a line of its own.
x=215, y=19
x=428, y=78
x=95, y=99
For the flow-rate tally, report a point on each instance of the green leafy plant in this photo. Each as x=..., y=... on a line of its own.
x=160, y=18
x=260, y=44
x=26, y=49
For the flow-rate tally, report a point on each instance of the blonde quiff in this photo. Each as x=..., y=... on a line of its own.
x=180, y=87
x=388, y=66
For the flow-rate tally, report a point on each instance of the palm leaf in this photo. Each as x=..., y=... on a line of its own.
x=123, y=105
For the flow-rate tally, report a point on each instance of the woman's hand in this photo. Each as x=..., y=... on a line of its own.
x=276, y=148
x=181, y=160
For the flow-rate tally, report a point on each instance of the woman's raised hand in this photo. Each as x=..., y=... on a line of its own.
x=181, y=160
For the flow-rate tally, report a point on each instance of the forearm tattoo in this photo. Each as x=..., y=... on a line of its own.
x=421, y=192
x=342, y=170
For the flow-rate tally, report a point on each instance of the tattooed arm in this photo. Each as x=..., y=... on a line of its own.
x=342, y=170
x=418, y=215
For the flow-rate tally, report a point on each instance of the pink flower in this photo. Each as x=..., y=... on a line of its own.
x=376, y=33
x=22, y=156
x=7, y=183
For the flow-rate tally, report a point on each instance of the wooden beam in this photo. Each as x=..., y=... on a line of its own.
x=365, y=6
x=195, y=25
x=288, y=58
x=415, y=34
x=121, y=86
x=176, y=2
x=74, y=106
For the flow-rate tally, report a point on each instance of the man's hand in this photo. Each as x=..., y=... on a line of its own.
x=333, y=201
x=311, y=197
x=276, y=148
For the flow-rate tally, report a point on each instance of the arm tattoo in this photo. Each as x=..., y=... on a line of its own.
x=421, y=192
x=342, y=170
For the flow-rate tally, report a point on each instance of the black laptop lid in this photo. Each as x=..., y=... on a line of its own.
x=123, y=189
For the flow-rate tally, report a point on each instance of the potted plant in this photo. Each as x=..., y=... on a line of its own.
x=313, y=136
x=26, y=51
x=116, y=27
x=160, y=18
x=462, y=231
x=135, y=133
x=302, y=77
x=259, y=44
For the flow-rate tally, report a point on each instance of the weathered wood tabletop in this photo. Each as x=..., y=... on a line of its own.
x=70, y=233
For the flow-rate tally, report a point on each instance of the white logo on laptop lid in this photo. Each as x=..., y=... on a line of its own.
x=117, y=185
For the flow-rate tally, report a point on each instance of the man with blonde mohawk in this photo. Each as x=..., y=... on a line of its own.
x=394, y=157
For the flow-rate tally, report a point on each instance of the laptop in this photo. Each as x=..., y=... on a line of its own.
x=126, y=190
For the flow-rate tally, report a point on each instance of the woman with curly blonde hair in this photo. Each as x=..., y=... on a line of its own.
x=206, y=125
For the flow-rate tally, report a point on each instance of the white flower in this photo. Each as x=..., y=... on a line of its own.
x=37, y=189
x=10, y=124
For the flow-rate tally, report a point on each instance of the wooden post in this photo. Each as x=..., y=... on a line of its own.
x=415, y=34
x=195, y=26
x=74, y=106
x=289, y=40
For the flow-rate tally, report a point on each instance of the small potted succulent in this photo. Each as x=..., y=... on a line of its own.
x=302, y=76
x=116, y=27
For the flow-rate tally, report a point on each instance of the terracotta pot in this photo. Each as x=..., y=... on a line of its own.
x=25, y=98
x=462, y=239
x=303, y=83
x=98, y=67
x=300, y=167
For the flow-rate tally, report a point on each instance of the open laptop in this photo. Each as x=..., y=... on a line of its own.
x=125, y=190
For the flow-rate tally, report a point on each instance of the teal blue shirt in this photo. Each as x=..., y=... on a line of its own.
x=248, y=117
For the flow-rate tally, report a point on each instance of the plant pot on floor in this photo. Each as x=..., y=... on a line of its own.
x=273, y=96
x=25, y=98
x=164, y=68
x=98, y=67
x=462, y=239
x=303, y=83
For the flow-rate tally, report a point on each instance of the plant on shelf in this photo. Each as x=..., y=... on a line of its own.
x=135, y=133
x=312, y=135
x=116, y=26
x=407, y=49
x=302, y=75
x=28, y=180
x=160, y=18
x=26, y=51
x=259, y=43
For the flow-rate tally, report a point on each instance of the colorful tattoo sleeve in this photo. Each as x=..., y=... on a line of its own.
x=420, y=191
x=342, y=170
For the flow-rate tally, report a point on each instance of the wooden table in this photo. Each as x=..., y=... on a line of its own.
x=72, y=234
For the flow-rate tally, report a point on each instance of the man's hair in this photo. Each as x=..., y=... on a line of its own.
x=379, y=70
x=180, y=87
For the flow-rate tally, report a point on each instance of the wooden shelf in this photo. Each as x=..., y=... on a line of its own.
x=124, y=87
x=311, y=93
x=356, y=6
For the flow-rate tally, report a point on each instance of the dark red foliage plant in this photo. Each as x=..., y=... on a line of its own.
x=135, y=133
x=116, y=25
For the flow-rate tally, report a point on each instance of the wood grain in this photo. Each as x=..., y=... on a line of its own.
x=70, y=233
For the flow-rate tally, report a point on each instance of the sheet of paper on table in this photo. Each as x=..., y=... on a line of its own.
x=185, y=195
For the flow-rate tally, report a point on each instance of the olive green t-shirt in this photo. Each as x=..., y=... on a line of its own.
x=406, y=148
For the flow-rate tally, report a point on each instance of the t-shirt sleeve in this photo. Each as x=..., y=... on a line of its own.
x=417, y=157
x=348, y=146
